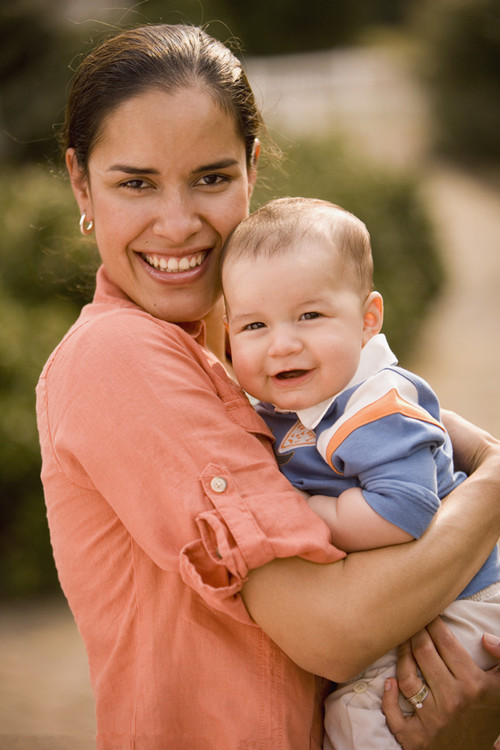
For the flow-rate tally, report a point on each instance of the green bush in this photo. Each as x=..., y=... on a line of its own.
x=460, y=64
x=42, y=290
x=37, y=224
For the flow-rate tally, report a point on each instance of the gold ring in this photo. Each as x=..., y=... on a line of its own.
x=418, y=699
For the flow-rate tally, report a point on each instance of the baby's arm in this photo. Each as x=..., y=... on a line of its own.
x=395, y=462
x=353, y=524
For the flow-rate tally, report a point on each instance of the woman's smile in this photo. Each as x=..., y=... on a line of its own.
x=172, y=264
x=176, y=271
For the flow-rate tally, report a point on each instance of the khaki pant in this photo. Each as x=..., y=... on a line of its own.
x=353, y=712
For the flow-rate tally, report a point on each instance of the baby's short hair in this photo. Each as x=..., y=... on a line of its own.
x=276, y=226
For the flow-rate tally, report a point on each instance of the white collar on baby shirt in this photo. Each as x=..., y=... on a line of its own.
x=375, y=355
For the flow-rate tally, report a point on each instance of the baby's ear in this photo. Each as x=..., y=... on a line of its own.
x=373, y=316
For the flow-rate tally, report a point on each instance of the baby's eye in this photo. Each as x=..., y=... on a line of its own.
x=310, y=315
x=253, y=326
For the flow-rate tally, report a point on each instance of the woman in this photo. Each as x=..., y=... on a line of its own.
x=187, y=559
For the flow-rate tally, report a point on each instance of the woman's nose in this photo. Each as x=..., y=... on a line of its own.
x=176, y=219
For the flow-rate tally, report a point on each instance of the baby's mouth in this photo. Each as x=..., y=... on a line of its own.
x=171, y=264
x=288, y=374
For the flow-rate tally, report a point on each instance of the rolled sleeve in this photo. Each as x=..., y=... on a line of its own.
x=240, y=534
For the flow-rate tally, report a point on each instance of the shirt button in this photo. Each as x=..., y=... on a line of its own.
x=360, y=686
x=218, y=484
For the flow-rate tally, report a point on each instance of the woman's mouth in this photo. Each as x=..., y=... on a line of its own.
x=171, y=264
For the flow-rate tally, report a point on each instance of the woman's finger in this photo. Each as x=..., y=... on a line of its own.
x=411, y=732
x=492, y=644
x=407, y=671
x=453, y=676
x=396, y=720
x=456, y=658
x=408, y=728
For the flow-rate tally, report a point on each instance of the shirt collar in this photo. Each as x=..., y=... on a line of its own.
x=375, y=355
x=107, y=291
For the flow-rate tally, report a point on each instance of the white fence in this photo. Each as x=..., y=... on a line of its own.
x=370, y=95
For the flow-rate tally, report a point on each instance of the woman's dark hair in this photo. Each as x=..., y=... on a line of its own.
x=170, y=57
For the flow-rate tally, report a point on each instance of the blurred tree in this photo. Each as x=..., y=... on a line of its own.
x=460, y=62
x=281, y=26
x=33, y=77
x=40, y=41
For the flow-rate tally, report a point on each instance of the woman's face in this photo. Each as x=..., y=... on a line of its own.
x=167, y=182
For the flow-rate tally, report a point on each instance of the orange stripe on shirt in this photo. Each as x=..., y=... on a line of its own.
x=389, y=403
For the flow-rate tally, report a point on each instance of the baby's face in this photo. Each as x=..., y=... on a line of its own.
x=296, y=325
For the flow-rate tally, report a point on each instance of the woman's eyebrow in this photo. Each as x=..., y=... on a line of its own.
x=128, y=169
x=223, y=164
x=132, y=170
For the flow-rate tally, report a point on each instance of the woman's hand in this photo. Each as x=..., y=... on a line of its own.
x=471, y=444
x=462, y=709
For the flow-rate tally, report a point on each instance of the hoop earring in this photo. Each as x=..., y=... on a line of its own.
x=85, y=229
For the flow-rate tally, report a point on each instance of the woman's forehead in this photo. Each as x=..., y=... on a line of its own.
x=188, y=123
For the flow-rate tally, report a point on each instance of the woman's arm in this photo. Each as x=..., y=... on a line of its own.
x=462, y=710
x=335, y=619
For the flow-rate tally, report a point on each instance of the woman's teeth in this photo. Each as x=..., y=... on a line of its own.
x=175, y=265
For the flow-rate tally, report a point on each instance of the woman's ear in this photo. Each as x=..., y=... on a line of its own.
x=373, y=316
x=79, y=183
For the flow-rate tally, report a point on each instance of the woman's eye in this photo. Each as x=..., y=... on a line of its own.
x=310, y=315
x=135, y=184
x=213, y=179
x=253, y=326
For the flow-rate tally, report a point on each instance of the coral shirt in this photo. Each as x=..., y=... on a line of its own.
x=162, y=493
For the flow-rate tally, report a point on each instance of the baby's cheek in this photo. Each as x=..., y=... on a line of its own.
x=248, y=373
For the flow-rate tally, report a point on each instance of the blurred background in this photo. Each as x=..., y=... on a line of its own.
x=390, y=108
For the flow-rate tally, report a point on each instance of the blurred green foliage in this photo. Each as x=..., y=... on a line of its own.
x=41, y=42
x=40, y=296
x=42, y=287
x=35, y=51
x=460, y=63
x=281, y=26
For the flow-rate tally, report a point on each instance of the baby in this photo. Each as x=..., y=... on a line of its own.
x=304, y=326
